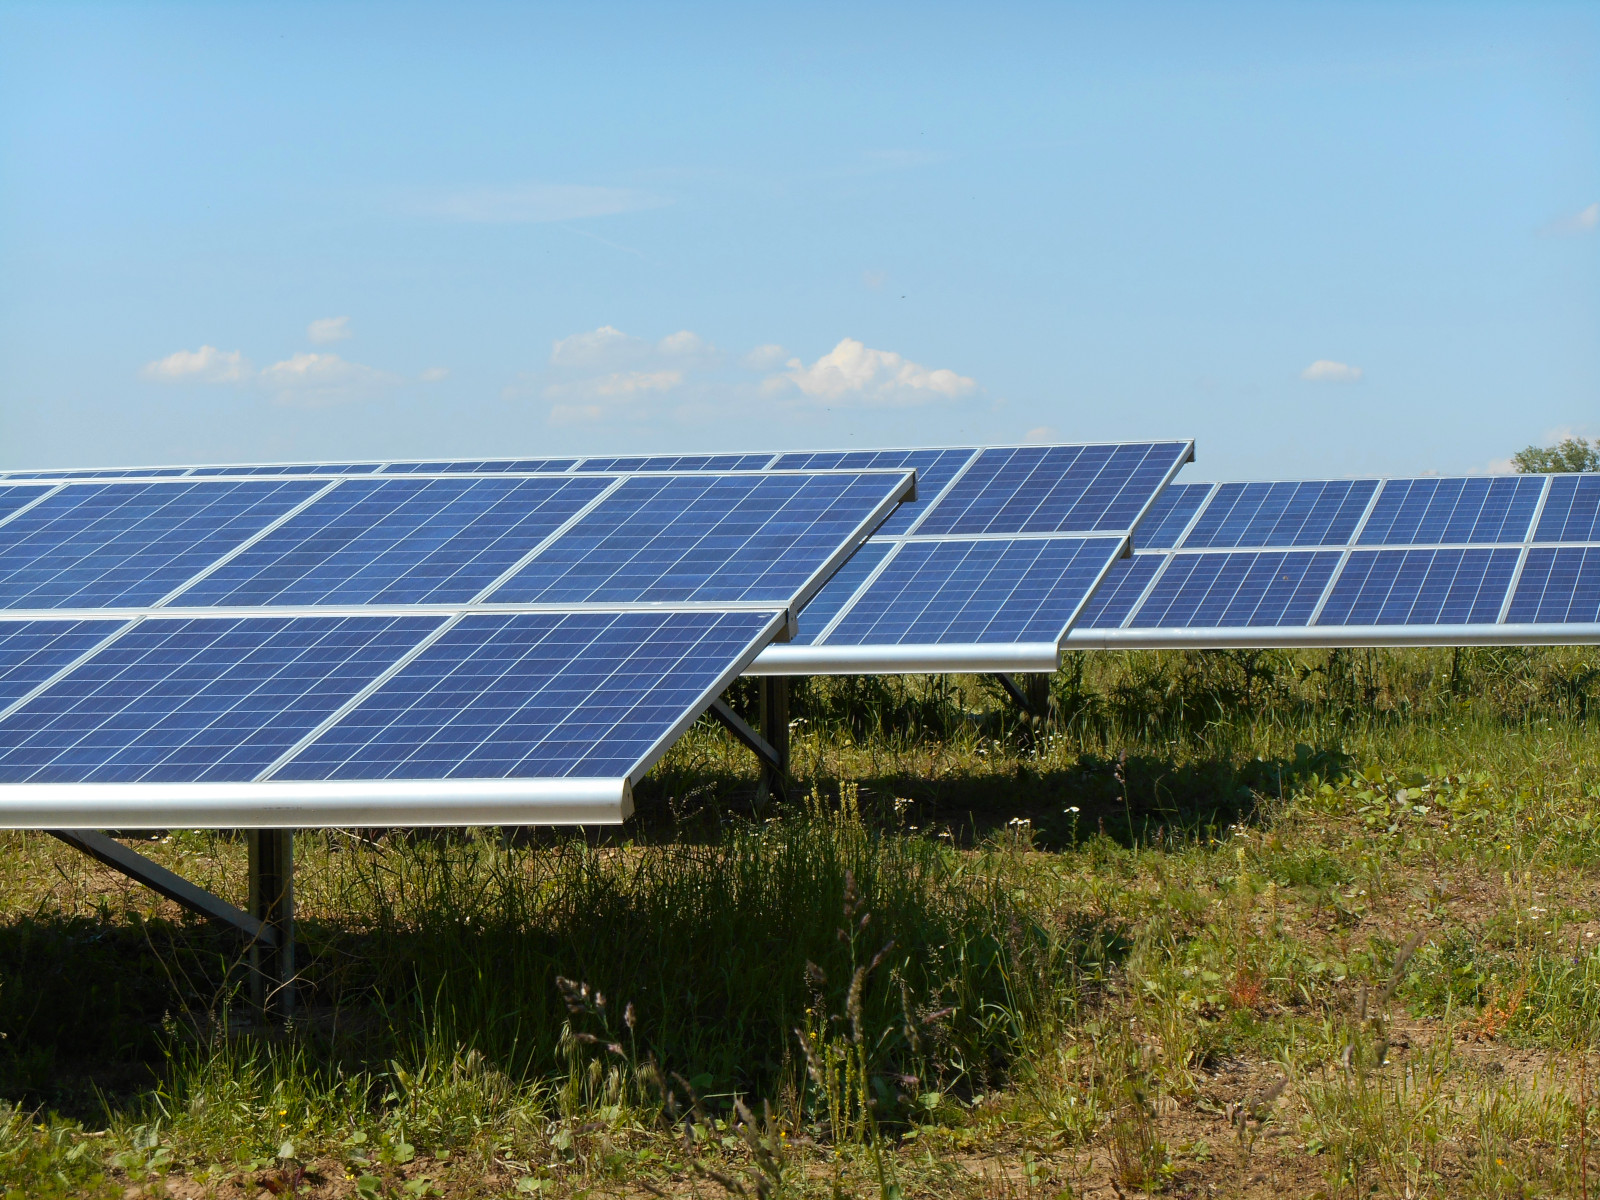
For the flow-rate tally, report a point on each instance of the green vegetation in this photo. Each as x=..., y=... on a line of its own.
x=1227, y=924
x=1569, y=454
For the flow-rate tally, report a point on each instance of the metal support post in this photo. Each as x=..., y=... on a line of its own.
x=775, y=730
x=1032, y=696
x=272, y=982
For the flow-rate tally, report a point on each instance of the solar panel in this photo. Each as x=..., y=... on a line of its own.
x=1413, y=511
x=1558, y=585
x=1282, y=514
x=1427, y=561
x=14, y=498
x=755, y=538
x=935, y=469
x=1571, y=511
x=32, y=652
x=399, y=541
x=1056, y=489
x=109, y=544
x=551, y=695
x=1170, y=514
x=1270, y=588
x=198, y=701
x=976, y=592
x=552, y=632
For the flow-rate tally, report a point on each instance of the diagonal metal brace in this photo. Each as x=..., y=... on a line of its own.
x=163, y=882
x=741, y=730
x=1015, y=692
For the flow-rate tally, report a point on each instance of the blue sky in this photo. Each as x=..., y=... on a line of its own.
x=1321, y=240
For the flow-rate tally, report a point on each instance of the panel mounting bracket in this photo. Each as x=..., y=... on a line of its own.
x=736, y=725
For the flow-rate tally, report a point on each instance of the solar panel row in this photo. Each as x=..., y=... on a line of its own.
x=1382, y=561
x=525, y=628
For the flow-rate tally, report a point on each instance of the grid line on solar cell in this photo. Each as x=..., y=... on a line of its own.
x=35, y=653
x=724, y=537
x=680, y=462
x=1572, y=510
x=1420, y=587
x=817, y=617
x=936, y=470
x=95, y=544
x=1119, y=594
x=1477, y=509
x=446, y=466
x=1268, y=588
x=14, y=501
x=1317, y=513
x=1171, y=514
x=1080, y=489
x=584, y=695
x=976, y=592
x=269, y=528
x=400, y=540
x=209, y=700
x=1558, y=585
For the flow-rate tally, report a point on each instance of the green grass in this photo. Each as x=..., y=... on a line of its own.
x=1257, y=922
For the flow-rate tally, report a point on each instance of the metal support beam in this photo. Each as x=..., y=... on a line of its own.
x=272, y=979
x=164, y=883
x=1017, y=696
x=775, y=728
x=737, y=726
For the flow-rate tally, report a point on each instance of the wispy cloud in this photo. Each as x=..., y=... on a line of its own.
x=205, y=365
x=530, y=203
x=318, y=379
x=852, y=372
x=434, y=374
x=329, y=329
x=606, y=374
x=1585, y=220
x=1325, y=370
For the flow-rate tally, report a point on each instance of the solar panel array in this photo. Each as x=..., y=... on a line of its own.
x=986, y=567
x=1510, y=559
x=328, y=629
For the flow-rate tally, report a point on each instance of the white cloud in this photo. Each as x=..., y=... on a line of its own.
x=1585, y=220
x=527, y=203
x=1042, y=435
x=765, y=358
x=205, y=365
x=682, y=344
x=1325, y=370
x=605, y=346
x=852, y=371
x=329, y=329
x=323, y=379
x=434, y=374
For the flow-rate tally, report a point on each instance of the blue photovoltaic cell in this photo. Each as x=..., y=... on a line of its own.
x=934, y=468
x=13, y=498
x=107, y=544
x=1558, y=585
x=399, y=541
x=32, y=651
x=1114, y=599
x=1282, y=514
x=1571, y=511
x=290, y=469
x=1424, y=511
x=679, y=462
x=1169, y=515
x=1205, y=591
x=585, y=695
x=836, y=593
x=934, y=593
x=486, y=466
x=1420, y=587
x=102, y=473
x=1055, y=489
x=702, y=537
x=212, y=699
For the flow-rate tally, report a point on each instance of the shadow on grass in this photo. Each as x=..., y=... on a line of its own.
x=1133, y=799
x=722, y=946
